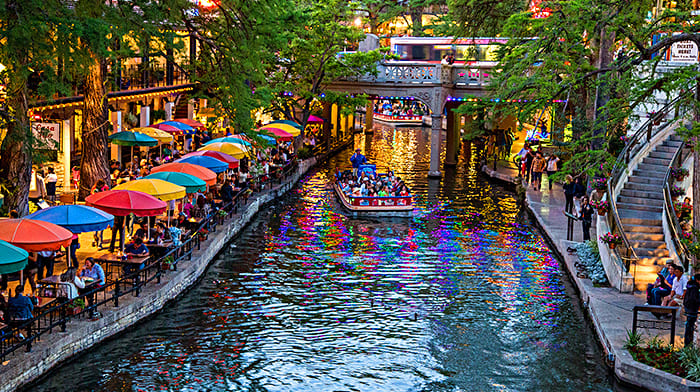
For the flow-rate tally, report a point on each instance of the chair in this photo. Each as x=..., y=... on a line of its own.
x=67, y=198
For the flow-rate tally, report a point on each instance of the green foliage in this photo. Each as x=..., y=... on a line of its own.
x=305, y=153
x=633, y=340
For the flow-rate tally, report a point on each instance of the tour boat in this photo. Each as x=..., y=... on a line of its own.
x=398, y=120
x=376, y=206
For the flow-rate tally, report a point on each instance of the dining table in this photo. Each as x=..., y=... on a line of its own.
x=115, y=260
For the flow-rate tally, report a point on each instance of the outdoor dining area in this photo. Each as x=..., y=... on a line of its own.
x=55, y=265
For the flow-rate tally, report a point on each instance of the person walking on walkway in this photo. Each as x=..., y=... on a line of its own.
x=569, y=190
x=691, y=303
x=538, y=166
x=586, y=218
x=552, y=168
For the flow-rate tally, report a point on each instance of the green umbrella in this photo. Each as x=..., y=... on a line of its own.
x=132, y=139
x=191, y=183
x=12, y=258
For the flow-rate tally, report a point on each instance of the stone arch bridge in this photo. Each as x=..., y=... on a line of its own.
x=438, y=86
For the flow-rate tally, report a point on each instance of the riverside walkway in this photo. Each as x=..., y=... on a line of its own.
x=610, y=311
x=52, y=348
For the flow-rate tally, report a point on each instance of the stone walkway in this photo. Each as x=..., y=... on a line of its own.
x=610, y=310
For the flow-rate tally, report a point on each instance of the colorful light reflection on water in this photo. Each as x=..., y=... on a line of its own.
x=462, y=297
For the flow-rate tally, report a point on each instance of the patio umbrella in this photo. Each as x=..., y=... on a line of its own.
x=277, y=134
x=231, y=161
x=190, y=122
x=235, y=150
x=210, y=163
x=288, y=122
x=269, y=139
x=132, y=139
x=75, y=217
x=12, y=258
x=34, y=235
x=285, y=127
x=314, y=120
x=169, y=128
x=160, y=189
x=179, y=125
x=229, y=139
x=126, y=138
x=191, y=183
x=125, y=202
x=158, y=134
x=200, y=172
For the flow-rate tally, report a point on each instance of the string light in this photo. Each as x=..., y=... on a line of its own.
x=459, y=99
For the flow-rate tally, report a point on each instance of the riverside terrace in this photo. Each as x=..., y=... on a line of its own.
x=36, y=339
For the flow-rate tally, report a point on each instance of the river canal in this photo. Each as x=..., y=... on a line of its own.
x=465, y=296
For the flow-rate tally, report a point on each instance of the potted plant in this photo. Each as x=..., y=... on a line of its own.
x=203, y=234
x=76, y=306
x=679, y=173
x=677, y=191
x=602, y=206
x=611, y=239
x=600, y=184
x=168, y=263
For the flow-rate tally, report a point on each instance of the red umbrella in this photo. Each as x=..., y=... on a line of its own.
x=232, y=162
x=166, y=128
x=34, y=235
x=192, y=123
x=278, y=133
x=200, y=172
x=121, y=202
x=314, y=120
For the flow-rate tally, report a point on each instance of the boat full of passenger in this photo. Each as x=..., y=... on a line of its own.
x=364, y=192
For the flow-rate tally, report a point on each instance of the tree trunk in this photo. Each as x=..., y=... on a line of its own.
x=607, y=40
x=417, y=21
x=15, y=152
x=94, y=163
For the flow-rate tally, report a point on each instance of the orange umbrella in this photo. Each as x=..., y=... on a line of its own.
x=200, y=172
x=34, y=235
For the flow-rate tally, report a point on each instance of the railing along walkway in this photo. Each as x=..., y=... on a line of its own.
x=25, y=334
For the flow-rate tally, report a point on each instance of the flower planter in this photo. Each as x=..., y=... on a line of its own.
x=602, y=212
x=612, y=245
x=76, y=311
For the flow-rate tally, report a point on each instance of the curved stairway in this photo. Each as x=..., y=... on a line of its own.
x=640, y=207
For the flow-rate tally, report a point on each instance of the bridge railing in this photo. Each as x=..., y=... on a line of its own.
x=422, y=73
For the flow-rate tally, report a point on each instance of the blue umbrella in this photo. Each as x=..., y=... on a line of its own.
x=210, y=163
x=269, y=139
x=76, y=218
x=229, y=139
x=12, y=258
x=178, y=125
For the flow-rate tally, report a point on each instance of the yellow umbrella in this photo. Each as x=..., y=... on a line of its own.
x=160, y=189
x=285, y=127
x=161, y=136
x=237, y=151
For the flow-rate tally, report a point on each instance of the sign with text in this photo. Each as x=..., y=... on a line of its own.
x=683, y=52
x=47, y=135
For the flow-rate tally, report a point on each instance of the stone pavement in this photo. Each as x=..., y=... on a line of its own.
x=609, y=310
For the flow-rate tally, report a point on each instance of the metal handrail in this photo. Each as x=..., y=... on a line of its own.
x=641, y=137
x=59, y=315
x=671, y=218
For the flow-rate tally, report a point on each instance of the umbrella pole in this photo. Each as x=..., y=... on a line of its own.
x=68, y=259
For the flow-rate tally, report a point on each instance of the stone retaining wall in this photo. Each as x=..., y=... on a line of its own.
x=80, y=335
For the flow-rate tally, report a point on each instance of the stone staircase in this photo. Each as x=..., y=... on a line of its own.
x=640, y=207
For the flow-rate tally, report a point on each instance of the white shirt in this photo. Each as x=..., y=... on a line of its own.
x=552, y=164
x=71, y=288
x=679, y=285
x=51, y=177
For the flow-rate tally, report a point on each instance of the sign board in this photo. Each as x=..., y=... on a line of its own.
x=48, y=135
x=683, y=52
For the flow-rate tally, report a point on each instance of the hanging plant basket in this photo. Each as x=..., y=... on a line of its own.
x=612, y=245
